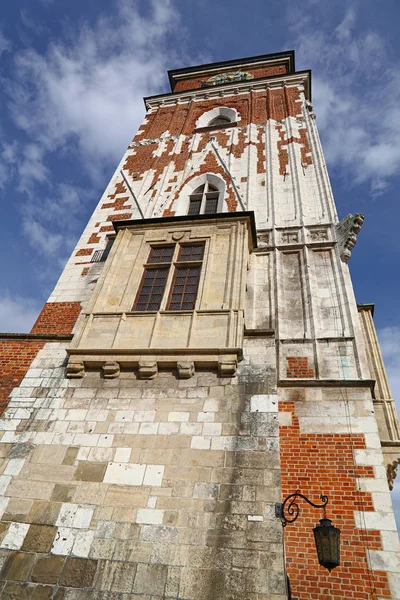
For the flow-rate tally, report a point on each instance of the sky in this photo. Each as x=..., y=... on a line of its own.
x=73, y=75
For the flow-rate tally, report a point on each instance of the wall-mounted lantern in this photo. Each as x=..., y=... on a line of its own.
x=327, y=537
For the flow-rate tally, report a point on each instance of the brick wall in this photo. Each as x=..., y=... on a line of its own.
x=324, y=463
x=57, y=318
x=195, y=82
x=15, y=358
x=297, y=368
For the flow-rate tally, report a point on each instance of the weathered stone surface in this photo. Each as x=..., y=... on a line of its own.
x=39, y=538
x=63, y=493
x=70, y=455
x=78, y=572
x=150, y=579
x=18, y=566
x=47, y=569
x=44, y=513
x=43, y=592
x=16, y=591
x=90, y=471
x=115, y=576
x=202, y=584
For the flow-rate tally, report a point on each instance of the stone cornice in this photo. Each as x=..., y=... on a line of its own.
x=229, y=89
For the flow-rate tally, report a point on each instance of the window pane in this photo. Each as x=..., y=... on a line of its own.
x=211, y=205
x=151, y=289
x=184, y=296
x=161, y=254
x=191, y=252
x=219, y=121
x=194, y=207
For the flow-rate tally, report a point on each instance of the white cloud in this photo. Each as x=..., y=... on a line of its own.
x=17, y=314
x=5, y=45
x=356, y=97
x=87, y=90
x=81, y=101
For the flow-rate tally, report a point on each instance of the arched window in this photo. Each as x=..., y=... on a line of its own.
x=204, y=200
x=220, y=115
x=221, y=120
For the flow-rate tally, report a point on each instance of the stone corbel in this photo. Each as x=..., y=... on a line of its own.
x=185, y=369
x=227, y=367
x=347, y=231
x=111, y=369
x=148, y=369
x=75, y=368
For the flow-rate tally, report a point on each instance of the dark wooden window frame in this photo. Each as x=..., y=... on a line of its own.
x=180, y=265
x=205, y=198
x=152, y=264
x=183, y=261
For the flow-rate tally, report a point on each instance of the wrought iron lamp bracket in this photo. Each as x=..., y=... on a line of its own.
x=289, y=510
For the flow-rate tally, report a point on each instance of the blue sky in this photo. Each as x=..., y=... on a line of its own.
x=72, y=78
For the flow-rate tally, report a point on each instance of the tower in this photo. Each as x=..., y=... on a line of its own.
x=201, y=358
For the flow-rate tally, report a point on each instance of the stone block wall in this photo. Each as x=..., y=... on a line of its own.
x=154, y=489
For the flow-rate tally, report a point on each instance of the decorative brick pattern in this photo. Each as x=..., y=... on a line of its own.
x=298, y=368
x=119, y=189
x=84, y=252
x=94, y=239
x=119, y=217
x=118, y=204
x=324, y=463
x=15, y=358
x=57, y=317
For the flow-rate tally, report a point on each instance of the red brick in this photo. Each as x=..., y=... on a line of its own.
x=57, y=318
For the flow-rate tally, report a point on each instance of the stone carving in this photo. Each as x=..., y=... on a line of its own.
x=263, y=240
x=227, y=78
x=391, y=472
x=290, y=237
x=75, y=368
x=178, y=235
x=111, y=369
x=347, y=231
x=309, y=106
x=227, y=367
x=185, y=369
x=319, y=235
x=148, y=369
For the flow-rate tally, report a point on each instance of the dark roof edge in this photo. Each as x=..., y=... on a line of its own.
x=282, y=76
x=236, y=61
x=368, y=306
x=37, y=337
x=185, y=218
